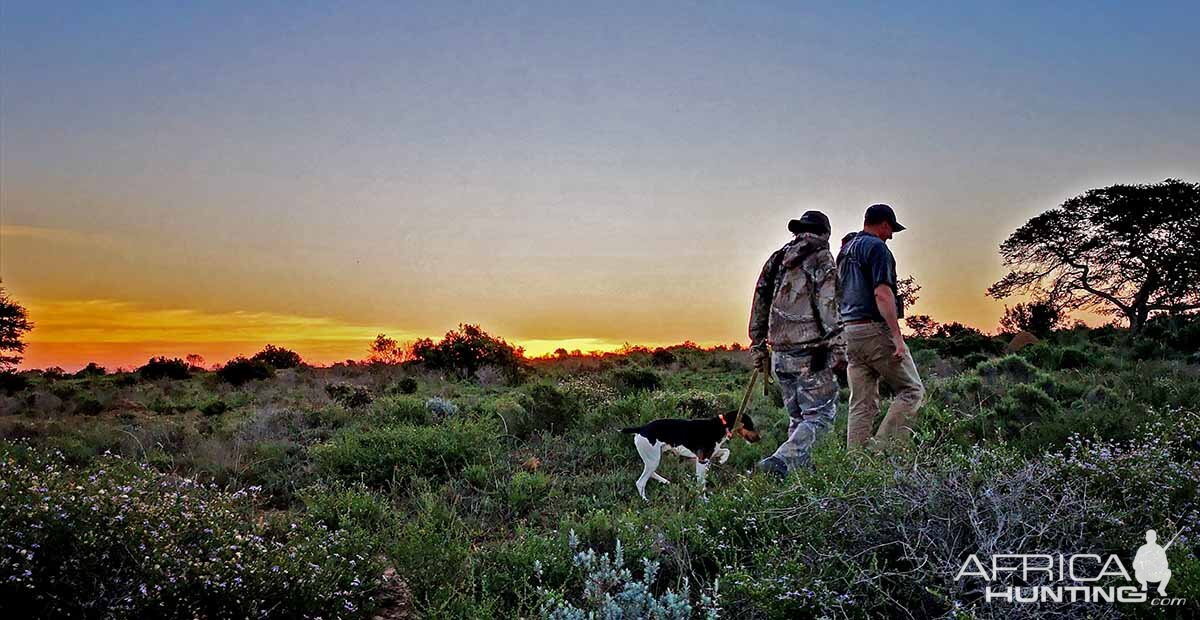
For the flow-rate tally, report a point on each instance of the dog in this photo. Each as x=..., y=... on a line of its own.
x=701, y=440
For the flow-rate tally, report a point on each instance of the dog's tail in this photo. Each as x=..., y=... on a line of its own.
x=632, y=429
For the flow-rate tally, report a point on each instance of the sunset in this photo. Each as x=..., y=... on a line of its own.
x=405, y=169
x=408, y=294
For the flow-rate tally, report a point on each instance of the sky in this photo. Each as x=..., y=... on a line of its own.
x=207, y=177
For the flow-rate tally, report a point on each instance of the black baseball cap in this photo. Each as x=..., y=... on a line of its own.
x=812, y=222
x=882, y=213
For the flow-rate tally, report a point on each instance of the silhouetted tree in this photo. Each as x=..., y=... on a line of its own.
x=14, y=324
x=1039, y=317
x=195, y=360
x=908, y=290
x=386, y=350
x=922, y=325
x=467, y=350
x=1126, y=250
x=278, y=357
x=162, y=368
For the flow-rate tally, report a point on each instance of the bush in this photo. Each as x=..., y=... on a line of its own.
x=635, y=379
x=662, y=357
x=91, y=370
x=278, y=357
x=125, y=540
x=1072, y=358
x=1011, y=367
x=610, y=591
x=467, y=350
x=214, y=407
x=239, y=371
x=406, y=385
x=400, y=410
x=382, y=455
x=163, y=368
x=349, y=395
x=341, y=506
x=546, y=409
x=526, y=490
x=88, y=405
x=12, y=382
x=440, y=407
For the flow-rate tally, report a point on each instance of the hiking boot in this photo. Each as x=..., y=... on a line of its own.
x=772, y=466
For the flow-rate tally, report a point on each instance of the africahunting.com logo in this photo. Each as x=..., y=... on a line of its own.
x=1081, y=577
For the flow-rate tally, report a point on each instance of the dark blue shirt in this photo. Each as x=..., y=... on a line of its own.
x=864, y=263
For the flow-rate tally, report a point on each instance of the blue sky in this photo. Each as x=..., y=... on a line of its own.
x=615, y=171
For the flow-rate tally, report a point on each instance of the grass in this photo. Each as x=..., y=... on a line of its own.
x=482, y=497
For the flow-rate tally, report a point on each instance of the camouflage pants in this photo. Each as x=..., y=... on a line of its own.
x=811, y=402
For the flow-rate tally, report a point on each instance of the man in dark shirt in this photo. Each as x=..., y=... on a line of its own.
x=871, y=311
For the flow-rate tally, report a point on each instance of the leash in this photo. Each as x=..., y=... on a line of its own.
x=746, y=399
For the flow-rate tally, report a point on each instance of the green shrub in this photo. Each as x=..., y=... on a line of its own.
x=214, y=407
x=88, y=405
x=382, y=455
x=975, y=359
x=526, y=490
x=546, y=409
x=163, y=368
x=635, y=379
x=341, y=506
x=512, y=413
x=662, y=357
x=400, y=410
x=433, y=552
x=164, y=405
x=349, y=395
x=1012, y=367
x=239, y=371
x=405, y=385
x=125, y=540
x=1071, y=358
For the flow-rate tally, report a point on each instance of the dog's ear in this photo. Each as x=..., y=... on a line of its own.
x=747, y=423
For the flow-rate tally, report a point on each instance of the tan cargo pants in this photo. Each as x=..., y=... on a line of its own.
x=869, y=349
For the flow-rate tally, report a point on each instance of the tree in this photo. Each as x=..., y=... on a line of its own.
x=467, y=350
x=907, y=290
x=922, y=325
x=278, y=357
x=386, y=350
x=1039, y=317
x=195, y=360
x=1124, y=250
x=14, y=324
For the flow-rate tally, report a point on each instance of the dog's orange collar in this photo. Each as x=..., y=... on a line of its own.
x=728, y=432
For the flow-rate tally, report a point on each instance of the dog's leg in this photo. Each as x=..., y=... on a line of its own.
x=651, y=455
x=722, y=455
x=701, y=472
x=660, y=478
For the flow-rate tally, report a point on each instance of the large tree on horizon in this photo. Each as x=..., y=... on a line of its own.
x=1123, y=250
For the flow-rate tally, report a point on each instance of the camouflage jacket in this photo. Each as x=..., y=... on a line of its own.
x=796, y=299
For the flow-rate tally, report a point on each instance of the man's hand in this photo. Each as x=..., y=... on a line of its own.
x=762, y=360
x=898, y=342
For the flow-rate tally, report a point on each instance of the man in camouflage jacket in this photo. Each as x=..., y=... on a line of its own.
x=795, y=331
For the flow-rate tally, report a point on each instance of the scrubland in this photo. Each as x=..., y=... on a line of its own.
x=397, y=490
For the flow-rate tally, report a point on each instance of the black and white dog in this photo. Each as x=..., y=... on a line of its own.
x=701, y=440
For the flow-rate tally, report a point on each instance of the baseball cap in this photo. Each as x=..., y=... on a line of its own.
x=882, y=213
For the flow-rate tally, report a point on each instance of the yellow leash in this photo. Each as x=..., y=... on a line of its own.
x=746, y=397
